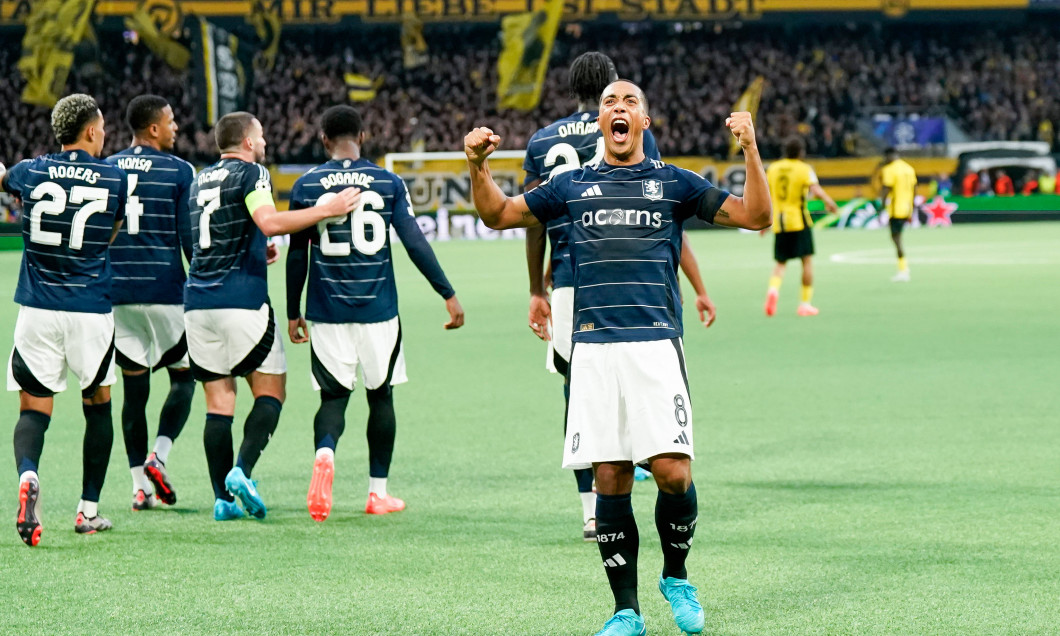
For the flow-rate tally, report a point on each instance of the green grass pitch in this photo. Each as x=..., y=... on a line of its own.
x=891, y=466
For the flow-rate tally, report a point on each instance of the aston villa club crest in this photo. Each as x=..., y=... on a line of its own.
x=652, y=189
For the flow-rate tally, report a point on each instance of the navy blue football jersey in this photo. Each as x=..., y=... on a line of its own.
x=625, y=243
x=351, y=272
x=71, y=201
x=568, y=144
x=145, y=256
x=228, y=268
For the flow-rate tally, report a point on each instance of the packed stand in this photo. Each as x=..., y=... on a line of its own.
x=819, y=83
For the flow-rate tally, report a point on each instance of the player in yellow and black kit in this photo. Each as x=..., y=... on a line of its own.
x=899, y=181
x=791, y=182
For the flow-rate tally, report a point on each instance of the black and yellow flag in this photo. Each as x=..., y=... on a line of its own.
x=155, y=21
x=222, y=70
x=748, y=102
x=53, y=29
x=413, y=45
x=361, y=88
x=521, y=67
x=267, y=26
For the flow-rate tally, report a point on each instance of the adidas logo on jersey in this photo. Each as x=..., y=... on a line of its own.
x=682, y=438
x=593, y=192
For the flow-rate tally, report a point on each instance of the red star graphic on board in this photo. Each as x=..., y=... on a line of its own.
x=939, y=211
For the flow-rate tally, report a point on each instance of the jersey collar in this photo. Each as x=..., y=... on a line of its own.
x=76, y=155
x=604, y=167
x=144, y=150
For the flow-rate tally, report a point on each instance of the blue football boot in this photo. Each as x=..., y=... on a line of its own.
x=238, y=484
x=226, y=510
x=684, y=604
x=624, y=623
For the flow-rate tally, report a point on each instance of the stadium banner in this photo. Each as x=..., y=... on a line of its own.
x=53, y=29
x=293, y=12
x=222, y=70
x=527, y=40
x=906, y=133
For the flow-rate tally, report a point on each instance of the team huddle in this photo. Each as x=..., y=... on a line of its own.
x=102, y=283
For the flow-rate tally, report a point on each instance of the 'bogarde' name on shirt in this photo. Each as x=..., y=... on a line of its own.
x=346, y=179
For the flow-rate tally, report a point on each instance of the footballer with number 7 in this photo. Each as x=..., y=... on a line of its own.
x=629, y=397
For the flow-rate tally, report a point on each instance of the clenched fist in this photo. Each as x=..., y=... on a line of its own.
x=480, y=143
x=742, y=128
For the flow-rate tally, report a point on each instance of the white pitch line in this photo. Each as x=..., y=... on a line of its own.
x=973, y=255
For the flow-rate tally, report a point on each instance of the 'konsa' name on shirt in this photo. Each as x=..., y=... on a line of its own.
x=135, y=163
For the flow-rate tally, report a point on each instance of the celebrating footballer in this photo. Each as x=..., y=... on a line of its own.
x=629, y=395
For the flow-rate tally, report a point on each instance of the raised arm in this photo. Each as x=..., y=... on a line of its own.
x=274, y=223
x=690, y=267
x=754, y=210
x=497, y=210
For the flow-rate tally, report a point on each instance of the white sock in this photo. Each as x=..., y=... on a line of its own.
x=163, y=445
x=89, y=508
x=330, y=453
x=140, y=480
x=377, y=485
x=26, y=476
x=588, y=505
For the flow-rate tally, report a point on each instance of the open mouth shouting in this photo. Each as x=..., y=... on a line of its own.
x=619, y=130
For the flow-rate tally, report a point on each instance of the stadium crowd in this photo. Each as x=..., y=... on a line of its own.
x=996, y=83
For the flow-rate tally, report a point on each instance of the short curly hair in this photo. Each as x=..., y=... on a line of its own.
x=341, y=121
x=70, y=116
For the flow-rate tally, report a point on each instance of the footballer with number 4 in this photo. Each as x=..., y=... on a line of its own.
x=230, y=323
x=568, y=144
x=629, y=397
x=352, y=302
x=149, y=293
x=73, y=206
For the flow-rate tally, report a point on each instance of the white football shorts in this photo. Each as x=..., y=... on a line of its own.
x=150, y=337
x=562, y=301
x=339, y=349
x=628, y=402
x=49, y=343
x=234, y=342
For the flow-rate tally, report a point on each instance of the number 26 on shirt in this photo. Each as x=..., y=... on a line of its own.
x=364, y=216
